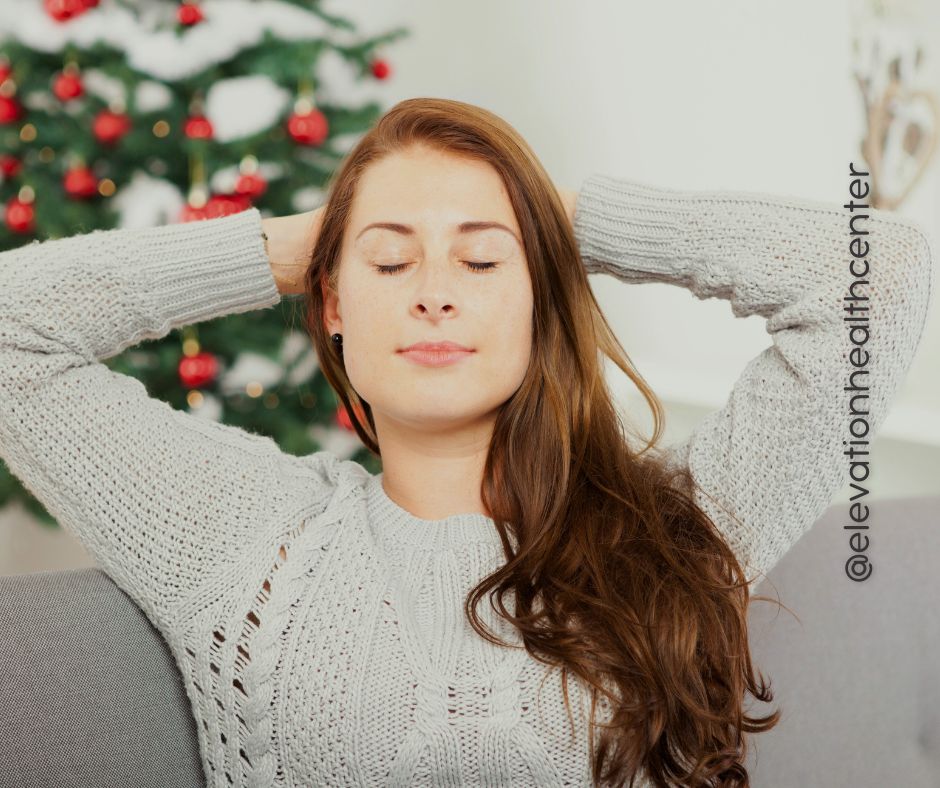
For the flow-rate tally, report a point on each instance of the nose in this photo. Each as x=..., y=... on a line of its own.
x=435, y=296
x=433, y=306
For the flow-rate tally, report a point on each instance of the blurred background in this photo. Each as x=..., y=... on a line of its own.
x=141, y=113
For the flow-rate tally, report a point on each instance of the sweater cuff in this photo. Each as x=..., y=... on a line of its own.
x=196, y=271
x=632, y=231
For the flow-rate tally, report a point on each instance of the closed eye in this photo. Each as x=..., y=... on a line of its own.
x=473, y=266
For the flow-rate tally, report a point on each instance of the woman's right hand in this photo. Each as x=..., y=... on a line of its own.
x=290, y=245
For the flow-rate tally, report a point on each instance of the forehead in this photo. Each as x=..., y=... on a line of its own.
x=430, y=190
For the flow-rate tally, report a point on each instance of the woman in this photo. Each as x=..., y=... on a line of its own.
x=325, y=619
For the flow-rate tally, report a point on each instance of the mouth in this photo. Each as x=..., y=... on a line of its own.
x=437, y=346
x=436, y=354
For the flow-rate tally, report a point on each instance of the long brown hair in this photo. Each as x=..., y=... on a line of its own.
x=619, y=577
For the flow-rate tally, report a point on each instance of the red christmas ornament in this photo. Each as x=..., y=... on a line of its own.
x=189, y=14
x=10, y=110
x=380, y=68
x=251, y=185
x=198, y=370
x=10, y=166
x=64, y=10
x=342, y=417
x=192, y=213
x=219, y=205
x=198, y=127
x=80, y=183
x=67, y=86
x=19, y=215
x=108, y=127
x=308, y=128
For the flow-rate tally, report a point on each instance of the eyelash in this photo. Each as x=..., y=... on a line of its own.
x=393, y=269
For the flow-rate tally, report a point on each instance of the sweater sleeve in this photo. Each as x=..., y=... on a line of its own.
x=155, y=494
x=770, y=461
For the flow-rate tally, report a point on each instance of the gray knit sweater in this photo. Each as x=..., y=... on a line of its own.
x=317, y=624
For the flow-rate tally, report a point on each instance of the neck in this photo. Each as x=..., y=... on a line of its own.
x=434, y=475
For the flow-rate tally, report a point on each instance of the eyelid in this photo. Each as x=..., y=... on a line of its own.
x=477, y=266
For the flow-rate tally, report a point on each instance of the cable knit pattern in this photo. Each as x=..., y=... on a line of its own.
x=318, y=625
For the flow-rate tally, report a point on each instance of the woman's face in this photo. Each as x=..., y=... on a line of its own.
x=434, y=295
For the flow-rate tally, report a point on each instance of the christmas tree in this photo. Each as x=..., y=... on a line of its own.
x=133, y=114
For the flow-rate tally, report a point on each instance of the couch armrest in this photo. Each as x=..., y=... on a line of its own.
x=90, y=694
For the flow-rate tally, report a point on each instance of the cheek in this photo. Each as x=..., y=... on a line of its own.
x=366, y=307
x=369, y=335
x=508, y=334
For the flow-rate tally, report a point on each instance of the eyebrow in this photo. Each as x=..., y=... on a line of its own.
x=463, y=227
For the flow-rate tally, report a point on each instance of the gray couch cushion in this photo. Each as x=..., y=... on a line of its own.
x=856, y=676
x=89, y=692
x=91, y=696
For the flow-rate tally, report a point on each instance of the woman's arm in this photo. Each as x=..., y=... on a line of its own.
x=156, y=495
x=773, y=455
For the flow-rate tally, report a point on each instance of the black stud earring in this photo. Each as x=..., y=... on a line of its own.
x=337, y=342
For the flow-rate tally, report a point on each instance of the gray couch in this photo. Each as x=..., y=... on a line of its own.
x=90, y=695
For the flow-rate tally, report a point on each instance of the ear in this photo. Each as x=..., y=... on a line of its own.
x=331, y=317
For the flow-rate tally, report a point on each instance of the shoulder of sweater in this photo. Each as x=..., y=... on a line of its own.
x=317, y=475
x=228, y=435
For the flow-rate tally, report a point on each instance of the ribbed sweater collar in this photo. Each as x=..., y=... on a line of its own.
x=400, y=526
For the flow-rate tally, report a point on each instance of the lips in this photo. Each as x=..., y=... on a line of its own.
x=436, y=347
x=436, y=354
